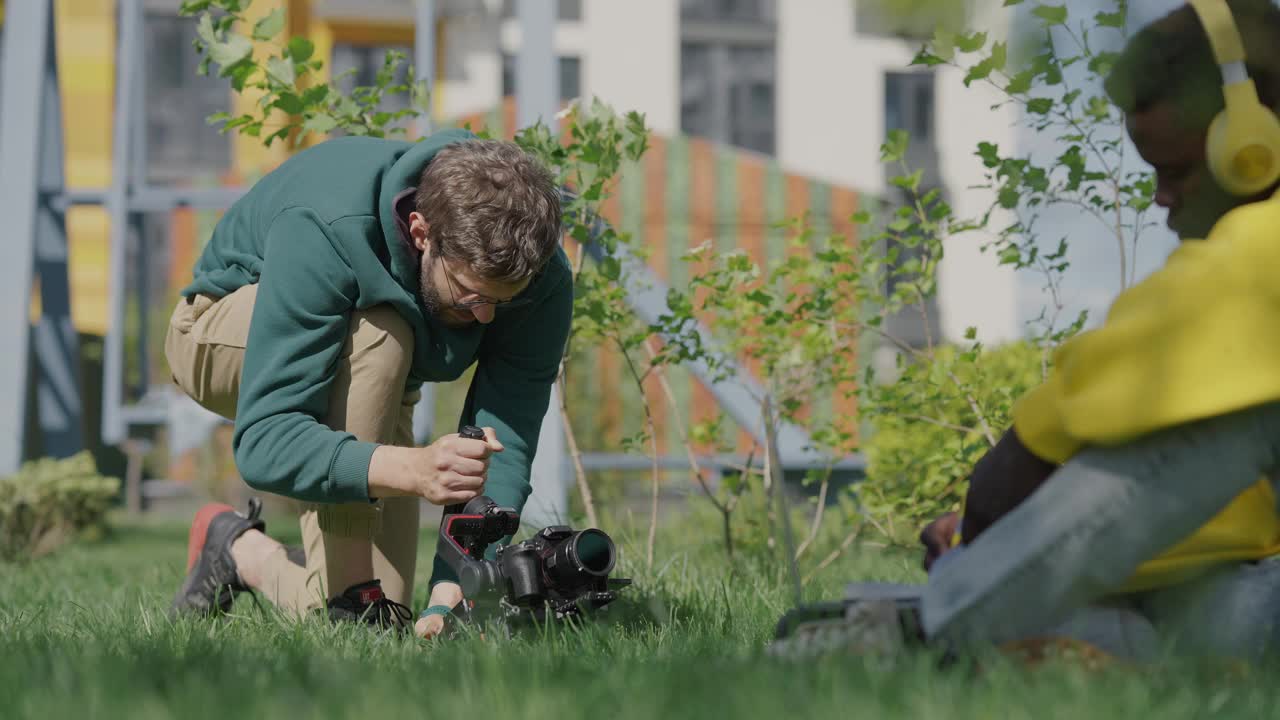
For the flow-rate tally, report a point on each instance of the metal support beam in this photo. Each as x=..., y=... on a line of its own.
x=146, y=199
x=537, y=81
x=142, y=291
x=128, y=69
x=424, y=59
x=424, y=64
x=28, y=58
x=24, y=48
x=537, y=100
x=57, y=357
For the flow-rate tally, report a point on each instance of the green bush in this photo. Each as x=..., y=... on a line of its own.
x=931, y=426
x=49, y=502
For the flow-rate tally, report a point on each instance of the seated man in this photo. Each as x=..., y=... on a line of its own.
x=1131, y=504
x=340, y=283
x=1165, y=417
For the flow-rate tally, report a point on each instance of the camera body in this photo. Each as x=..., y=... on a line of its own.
x=559, y=572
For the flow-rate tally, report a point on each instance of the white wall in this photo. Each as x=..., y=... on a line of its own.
x=471, y=75
x=831, y=124
x=631, y=58
x=973, y=289
x=830, y=93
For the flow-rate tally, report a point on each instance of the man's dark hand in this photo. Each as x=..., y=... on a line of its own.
x=936, y=537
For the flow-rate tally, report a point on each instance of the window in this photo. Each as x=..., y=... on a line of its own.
x=566, y=10
x=728, y=71
x=180, y=141
x=905, y=253
x=570, y=77
x=570, y=68
x=361, y=64
x=908, y=104
x=751, y=11
x=908, y=19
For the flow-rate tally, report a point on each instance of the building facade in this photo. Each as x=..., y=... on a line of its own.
x=761, y=108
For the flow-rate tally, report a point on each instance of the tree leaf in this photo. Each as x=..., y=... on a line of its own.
x=281, y=71
x=239, y=73
x=204, y=30
x=1040, y=106
x=315, y=94
x=319, y=123
x=191, y=7
x=1109, y=19
x=610, y=268
x=894, y=147
x=269, y=26
x=990, y=154
x=290, y=103
x=1020, y=83
x=1102, y=62
x=926, y=58
x=1051, y=14
x=972, y=42
x=301, y=49
x=999, y=56
x=981, y=71
x=226, y=54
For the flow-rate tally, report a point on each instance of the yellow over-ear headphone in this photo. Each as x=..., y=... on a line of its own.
x=1243, y=146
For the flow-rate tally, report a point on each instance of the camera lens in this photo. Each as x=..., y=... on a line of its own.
x=585, y=555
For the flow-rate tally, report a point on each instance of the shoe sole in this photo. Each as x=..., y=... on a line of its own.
x=200, y=530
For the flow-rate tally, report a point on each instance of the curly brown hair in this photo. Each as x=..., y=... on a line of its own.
x=493, y=206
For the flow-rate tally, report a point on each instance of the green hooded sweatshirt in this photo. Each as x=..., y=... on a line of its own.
x=320, y=237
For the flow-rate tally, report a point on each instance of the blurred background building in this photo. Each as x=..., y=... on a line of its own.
x=763, y=110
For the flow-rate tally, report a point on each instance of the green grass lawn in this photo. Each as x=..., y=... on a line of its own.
x=84, y=635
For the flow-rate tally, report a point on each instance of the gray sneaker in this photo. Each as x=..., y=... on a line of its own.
x=212, y=582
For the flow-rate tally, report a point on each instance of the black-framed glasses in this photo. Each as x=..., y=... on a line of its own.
x=519, y=300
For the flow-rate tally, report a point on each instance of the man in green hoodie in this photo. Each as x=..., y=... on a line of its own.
x=340, y=283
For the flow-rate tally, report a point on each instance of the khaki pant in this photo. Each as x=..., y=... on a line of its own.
x=205, y=347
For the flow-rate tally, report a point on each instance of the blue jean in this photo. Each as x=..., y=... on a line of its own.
x=1053, y=564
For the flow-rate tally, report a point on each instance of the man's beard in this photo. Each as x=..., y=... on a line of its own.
x=432, y=301
x=427, y=290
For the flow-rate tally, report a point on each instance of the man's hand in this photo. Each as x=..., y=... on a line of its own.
x=936, y=538
x=1005, y=476
x=445, y=593
x=448, y=471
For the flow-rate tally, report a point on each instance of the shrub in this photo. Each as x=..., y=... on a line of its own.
x=925, y=429
x=49, y=502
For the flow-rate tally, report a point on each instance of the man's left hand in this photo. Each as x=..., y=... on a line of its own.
x=445, y=593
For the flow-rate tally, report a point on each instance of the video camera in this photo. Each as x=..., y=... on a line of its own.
x=557, y=573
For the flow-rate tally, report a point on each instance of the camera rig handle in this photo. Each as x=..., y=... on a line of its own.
x=467, y=531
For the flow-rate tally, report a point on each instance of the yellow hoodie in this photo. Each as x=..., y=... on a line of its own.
x=1198, y=338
